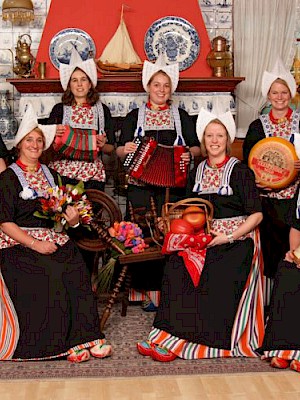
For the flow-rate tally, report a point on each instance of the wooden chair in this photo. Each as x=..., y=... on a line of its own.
x=125, y=260
x=106, y=212
x=152, y=253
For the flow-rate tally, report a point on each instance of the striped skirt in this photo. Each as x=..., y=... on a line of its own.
x=223, y=316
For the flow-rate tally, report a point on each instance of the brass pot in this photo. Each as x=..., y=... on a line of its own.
x=24, y=58
x=219, y=58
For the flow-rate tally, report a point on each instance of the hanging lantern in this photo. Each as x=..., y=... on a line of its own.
x=17, y=10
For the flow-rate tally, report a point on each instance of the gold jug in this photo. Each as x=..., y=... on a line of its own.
x=220, y=58
x=24, y=58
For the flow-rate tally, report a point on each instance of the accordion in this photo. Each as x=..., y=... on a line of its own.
x=156, y=164
x=77, y=144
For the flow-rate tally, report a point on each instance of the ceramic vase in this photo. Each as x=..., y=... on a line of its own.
x=8, y=122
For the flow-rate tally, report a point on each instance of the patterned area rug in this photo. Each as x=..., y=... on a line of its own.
x=123, y=333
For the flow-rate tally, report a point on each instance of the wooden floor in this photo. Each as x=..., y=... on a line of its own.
x=284, y=385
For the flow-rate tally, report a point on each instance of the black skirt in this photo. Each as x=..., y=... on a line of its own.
x=52, y=296
x=205, y=314
x=274, y=230
x=283, y=329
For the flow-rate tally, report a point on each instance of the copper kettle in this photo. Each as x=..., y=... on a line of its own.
x=220, y=59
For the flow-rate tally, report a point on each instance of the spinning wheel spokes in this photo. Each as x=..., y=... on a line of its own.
x=106, y=212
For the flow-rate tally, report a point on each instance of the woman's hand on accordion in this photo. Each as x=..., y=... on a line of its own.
x=101, y=140
x=186, y=157
x=130, y=147
x=60, y=130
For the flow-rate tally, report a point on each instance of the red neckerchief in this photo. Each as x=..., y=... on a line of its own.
x=281, y=120
x=157, y=108
x=216, y=166
x=25, y=167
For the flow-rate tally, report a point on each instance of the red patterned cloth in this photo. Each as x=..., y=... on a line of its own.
x=192, y=248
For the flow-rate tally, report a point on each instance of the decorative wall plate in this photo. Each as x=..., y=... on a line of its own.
x=174, y=36
x=62, y=43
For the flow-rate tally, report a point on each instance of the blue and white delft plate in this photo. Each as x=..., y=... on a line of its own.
x=174, y=36
x=62, y=43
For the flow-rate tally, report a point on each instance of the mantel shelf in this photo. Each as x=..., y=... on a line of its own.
x=128, y=84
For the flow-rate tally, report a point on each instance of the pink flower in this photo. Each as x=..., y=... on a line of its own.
x=135, y=250
x=129, y=236
x=112, y=231
x=128, y=243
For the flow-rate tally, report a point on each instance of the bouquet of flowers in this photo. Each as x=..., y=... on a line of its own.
x=129, y=237
x=55, y=201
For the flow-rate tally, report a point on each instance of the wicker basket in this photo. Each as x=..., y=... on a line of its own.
x=175, y=210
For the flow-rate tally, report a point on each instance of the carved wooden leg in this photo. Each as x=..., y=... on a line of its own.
x=131, y=212
x=113, y=296
x=156, y=233
x=125, y=298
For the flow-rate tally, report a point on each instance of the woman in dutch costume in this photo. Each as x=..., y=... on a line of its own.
x=47, y=307
x=84, y=130
x=279, y=87
x=84, y=125
x=281, y=345
x=214, y=307
x=168, y=126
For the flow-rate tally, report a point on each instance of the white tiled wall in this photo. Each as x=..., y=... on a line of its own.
x=9, y=34
x=217, y=15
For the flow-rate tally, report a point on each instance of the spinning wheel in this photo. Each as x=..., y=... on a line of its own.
x=146, y=220
x=106, y=212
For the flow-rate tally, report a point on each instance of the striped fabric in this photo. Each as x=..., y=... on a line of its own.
x=248, y=329
x=268, y=284
x=141, y=295
x=286, y=354
x=86, y=345
x=9, y=326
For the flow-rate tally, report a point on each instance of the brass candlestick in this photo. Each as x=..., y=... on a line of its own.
x=42, y=70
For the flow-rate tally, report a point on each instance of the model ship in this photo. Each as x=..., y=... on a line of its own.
x=119, y=54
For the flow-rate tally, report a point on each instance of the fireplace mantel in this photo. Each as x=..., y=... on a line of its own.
x=125, y=84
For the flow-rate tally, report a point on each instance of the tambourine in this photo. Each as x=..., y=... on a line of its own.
x=272, y=161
